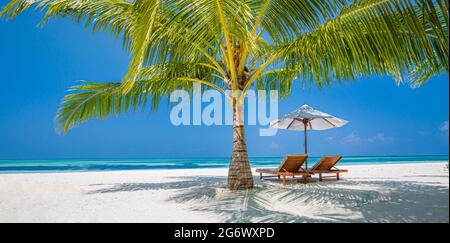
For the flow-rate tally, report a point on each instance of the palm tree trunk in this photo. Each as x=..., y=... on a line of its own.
x=239, y=174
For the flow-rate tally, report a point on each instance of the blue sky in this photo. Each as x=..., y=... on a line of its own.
x=38, y=64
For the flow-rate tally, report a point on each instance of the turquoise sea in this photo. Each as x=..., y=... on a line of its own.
x=79, y=165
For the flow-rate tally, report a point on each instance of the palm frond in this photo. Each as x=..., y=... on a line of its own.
x=147, y=19
x=374, y=37
x=280, y=80
x=103, y=15
x=98, y=101
x=286, y=19
x=92, y=100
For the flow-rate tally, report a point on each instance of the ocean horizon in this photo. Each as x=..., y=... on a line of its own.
x=11, y=166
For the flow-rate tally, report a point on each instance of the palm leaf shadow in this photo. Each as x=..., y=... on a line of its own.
x=363, y=200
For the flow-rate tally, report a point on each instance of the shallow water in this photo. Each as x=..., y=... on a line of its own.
x=74, y=165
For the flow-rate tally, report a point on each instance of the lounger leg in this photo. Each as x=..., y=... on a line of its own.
x=279, y=177
x=284, y=180
x=260, y=176
x=338, y=176
x=305, y=179
x=320, y=177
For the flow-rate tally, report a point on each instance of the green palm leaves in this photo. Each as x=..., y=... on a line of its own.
x=100, y=100
x=145, y=25
x=271, y=42
x=376, y=37
x=102, y=15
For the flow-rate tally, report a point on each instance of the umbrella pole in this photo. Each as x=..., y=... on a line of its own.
x=305, y=123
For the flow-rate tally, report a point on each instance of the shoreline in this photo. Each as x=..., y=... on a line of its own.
x=211, y=168
x=222, y=157
x=377, y=193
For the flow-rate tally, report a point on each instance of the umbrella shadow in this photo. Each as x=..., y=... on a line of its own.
x=330, y=201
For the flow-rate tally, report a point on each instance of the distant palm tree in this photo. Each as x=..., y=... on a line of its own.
x=243, y=44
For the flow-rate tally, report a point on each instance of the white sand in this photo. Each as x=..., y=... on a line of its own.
x=382, y=193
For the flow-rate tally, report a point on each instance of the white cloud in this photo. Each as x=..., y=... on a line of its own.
x=444, y=130
x=354, y=139
x=274, y=145
x=351, y=139
x=380, y=137
x=444, y=127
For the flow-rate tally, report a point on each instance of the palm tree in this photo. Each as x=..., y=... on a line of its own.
x=239, y=45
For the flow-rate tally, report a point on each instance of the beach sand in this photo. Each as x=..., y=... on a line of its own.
x=377, y=193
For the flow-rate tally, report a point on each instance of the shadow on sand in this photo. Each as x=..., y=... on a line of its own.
x=343, y=201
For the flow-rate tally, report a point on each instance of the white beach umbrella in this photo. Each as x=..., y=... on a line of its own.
x=306, y=118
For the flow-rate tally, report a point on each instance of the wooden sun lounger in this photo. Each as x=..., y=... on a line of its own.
x=291, y=166
x=326, y=165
